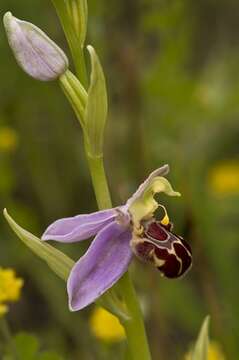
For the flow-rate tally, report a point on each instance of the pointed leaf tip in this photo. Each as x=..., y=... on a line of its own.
x=200, y=351
x=57, y=261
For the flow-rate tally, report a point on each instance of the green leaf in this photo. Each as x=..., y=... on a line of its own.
x=27, y=347
x=57, y=261
x=200, y=351
x=96, y=107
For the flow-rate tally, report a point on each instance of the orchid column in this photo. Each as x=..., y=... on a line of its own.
x=44, y=60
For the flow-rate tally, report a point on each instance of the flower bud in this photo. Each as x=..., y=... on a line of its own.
x=34, y=51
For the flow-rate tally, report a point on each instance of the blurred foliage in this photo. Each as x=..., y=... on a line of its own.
x=26, y=347
x=173, y=81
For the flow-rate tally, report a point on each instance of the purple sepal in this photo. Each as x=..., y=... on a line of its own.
x=106, y=260
x=79, y=227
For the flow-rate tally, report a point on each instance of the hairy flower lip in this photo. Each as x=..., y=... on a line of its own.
x=111, y=251
x=34, y=51
x=168, y=252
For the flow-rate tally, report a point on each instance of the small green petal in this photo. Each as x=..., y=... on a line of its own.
x=144, y=206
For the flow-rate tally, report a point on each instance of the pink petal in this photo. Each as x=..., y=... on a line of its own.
x=79, y=227
x=104, y=263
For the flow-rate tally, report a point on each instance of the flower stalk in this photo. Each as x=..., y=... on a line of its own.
x=42, y=59
x=134, y=327
x=97, y=171
x=75, y=93
x=75, y=41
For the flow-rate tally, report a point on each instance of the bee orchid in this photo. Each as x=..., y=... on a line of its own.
x=120, y=233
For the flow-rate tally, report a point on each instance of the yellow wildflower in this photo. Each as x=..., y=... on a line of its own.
x=214, y=352
x=10, y=285
x=8, y=139
x=224, y=178
x=3, y=309
x=106, y=326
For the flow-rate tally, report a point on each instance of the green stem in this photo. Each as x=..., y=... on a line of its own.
x=79, y=61
x=74, y=44
x=136, y=336
x=75, y=93
x=97, y=171
x=134, y=327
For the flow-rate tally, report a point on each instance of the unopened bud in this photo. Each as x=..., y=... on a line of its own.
x=34, y=51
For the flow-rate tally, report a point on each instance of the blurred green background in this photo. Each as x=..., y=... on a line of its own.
x=173, y=82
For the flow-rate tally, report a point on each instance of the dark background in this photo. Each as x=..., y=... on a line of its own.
x=173, y=83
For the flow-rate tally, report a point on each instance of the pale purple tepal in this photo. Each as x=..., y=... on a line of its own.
x=111, y=251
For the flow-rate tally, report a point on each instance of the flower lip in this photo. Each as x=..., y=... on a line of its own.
x=121, y=232
x=155, y=232
x=159, y=246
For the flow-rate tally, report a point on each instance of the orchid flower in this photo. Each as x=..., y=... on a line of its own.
x=121, y=232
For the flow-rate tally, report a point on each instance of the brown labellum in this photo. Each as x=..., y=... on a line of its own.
x=168, y=252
